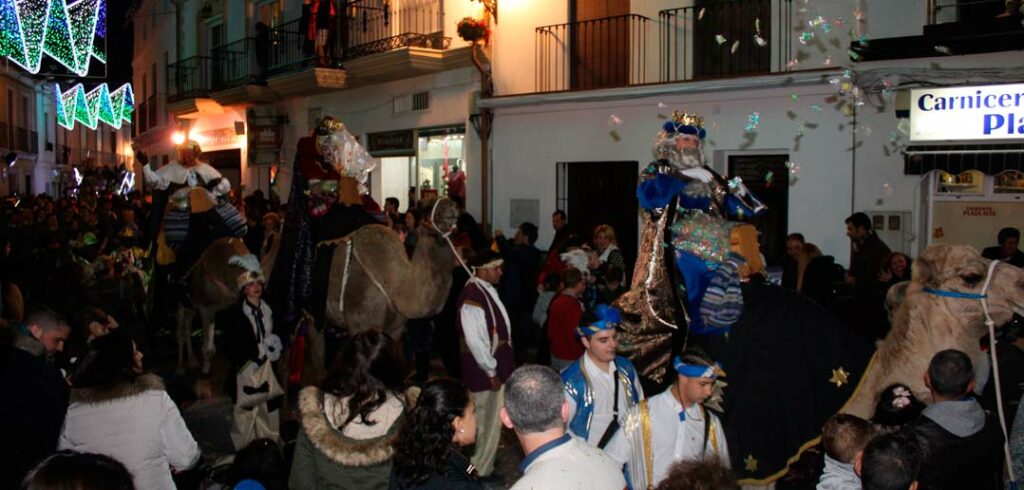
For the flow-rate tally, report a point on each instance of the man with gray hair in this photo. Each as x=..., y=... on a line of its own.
x=535, y=408
x=33, y=394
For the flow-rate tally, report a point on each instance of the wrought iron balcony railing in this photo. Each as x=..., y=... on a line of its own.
x=243, y=62
x=592, y=54
x=188, y=78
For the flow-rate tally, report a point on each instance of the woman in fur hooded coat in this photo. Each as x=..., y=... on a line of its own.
x=350, y=423
x=118, y=411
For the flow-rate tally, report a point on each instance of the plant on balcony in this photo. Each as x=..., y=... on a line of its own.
x=474, y=30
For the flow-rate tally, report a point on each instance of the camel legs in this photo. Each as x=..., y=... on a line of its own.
x=206, y=316
x=186, y=358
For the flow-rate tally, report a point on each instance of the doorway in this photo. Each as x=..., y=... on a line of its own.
x=596, y=193
x=767, y=177
x=736, y=21
x=228, y=163
x=599, y=50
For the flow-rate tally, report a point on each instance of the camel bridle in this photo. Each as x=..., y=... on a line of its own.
x=991, y=324
x=447, y=237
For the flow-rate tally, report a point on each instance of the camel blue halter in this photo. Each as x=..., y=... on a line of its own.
x=991, y=324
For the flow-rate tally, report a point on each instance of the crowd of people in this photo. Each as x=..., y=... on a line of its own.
x=528, y=340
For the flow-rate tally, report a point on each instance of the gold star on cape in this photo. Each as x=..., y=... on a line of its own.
x=750, y=463
x=839, y=377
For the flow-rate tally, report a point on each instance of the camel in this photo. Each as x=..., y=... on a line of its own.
x=373, y=285
x=927, y=323
x=210, y=287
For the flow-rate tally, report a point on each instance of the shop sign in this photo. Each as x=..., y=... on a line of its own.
x=216, y=137
x=266, y=136
x=392, y=143
x=988, y=112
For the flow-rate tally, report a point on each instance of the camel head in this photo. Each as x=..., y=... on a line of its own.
x=443, y=215
x=961, y=269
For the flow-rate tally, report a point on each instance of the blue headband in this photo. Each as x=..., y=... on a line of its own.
x=607, y=318
x=697, y=370
x=672, y=127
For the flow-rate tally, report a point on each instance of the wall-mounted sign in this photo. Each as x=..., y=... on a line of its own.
x=988, y=112
x=215, y=137
x=72, y=33
x=99, y=104
x=392, y=143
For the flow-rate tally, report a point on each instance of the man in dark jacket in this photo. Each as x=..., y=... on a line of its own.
x=962, y=443
x=868, y=251
x=865, y=261
x=518, y=284
x=34, y=395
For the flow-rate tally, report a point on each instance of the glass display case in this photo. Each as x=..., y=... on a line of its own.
x=969, y=183
x=1009, y=182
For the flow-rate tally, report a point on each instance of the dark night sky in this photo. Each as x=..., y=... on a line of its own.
x=119, y=43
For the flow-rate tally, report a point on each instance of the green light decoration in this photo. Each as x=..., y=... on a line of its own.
x=65, y=32
x=98, y=105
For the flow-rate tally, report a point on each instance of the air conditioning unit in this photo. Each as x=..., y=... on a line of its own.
x=415, y=102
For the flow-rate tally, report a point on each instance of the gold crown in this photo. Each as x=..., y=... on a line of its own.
x=329, y=125
x=688, y=119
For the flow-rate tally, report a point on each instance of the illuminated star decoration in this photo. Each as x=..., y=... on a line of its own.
x=99, y=104
x=65, y=31
x=839, y=377
x=750, y=463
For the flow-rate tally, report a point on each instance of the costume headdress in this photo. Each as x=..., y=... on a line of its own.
x=713, y=371
x=487, y=259
x=253, y=270
x=608, y=318
x=342, y=151
x=685, y=123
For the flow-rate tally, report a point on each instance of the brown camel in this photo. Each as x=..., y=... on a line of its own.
x=211, y=288
x=374, y=285
x=927, y=323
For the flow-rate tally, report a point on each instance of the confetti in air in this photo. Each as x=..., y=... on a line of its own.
x=793, y=62
x=753, y=120
x=760, y=41
x=944, y=50
x=794, y=169
x=795, y=97
x=893, y=136
x=853, y=55
x=614, y=120
x=720, y=39
x=768, y=176
x=661, y=105
x=735, y=46
x=806, y=37
x=857, y=14
x=700, y=15
x=887, y=189
x=815, y=107
x=828, y=60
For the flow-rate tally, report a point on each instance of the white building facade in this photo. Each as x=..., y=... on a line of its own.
x=247, y=79
x=806, y=101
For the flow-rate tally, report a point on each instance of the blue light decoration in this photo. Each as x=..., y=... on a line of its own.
x=66, y=32
x=99, y=104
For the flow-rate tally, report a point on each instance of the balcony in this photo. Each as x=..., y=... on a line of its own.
x=592, y=54
x=294, y=66
x=24, y=141
x=954, y=27
x=239, y=72
x=189, y=82
x=391, y=43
